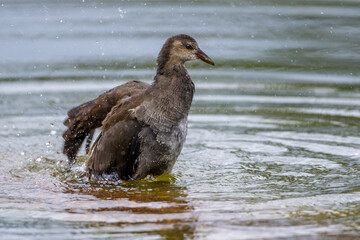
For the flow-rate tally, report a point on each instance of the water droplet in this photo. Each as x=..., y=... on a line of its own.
x=52, y=132
x=22, y=153
x=61, y=21
x=122, y=12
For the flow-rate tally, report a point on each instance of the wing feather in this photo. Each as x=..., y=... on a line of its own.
x=115, y=150
x=84, y=119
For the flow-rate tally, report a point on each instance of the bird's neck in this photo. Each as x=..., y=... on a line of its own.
x=171, y=69
x=168, y=65
x=173, y=91
x=173, y=78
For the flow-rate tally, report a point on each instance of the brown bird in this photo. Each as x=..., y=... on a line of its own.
x=143, y=127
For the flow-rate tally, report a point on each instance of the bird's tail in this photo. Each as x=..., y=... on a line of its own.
x=81, y=125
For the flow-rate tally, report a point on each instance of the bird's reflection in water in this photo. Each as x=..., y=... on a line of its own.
x=146, y=207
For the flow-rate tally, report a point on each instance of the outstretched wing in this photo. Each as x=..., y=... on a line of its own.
x=84, y=119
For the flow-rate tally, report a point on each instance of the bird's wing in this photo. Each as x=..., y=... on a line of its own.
x=84, y=119
x=117, y=146
x=153, y=114
x=115, y=150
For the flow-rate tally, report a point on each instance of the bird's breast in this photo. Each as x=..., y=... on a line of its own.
x=175, y=138
x=172, y=143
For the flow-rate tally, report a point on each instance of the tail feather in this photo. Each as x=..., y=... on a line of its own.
x=81, y=125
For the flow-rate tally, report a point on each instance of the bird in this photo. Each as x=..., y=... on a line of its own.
x=143, y=126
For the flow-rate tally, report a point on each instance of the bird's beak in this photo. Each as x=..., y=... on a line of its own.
x=203, y=57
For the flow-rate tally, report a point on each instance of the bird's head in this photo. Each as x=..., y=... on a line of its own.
x=181, y=48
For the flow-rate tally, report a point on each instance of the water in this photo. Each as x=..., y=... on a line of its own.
x=273, y=149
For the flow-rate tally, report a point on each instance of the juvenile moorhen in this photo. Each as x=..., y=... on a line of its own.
x=143, y=127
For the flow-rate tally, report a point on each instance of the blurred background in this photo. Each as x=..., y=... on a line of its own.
x=273, y=146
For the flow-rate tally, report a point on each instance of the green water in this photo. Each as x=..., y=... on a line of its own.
x=273, y=146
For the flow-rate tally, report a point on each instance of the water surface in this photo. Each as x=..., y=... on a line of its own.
x=273, y=147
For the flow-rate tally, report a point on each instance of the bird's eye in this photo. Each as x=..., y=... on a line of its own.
x=188, y=46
